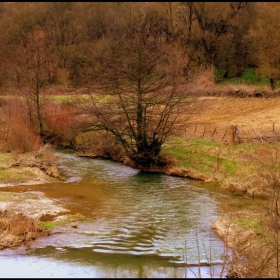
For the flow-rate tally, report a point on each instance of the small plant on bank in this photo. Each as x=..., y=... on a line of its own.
x=48, y=225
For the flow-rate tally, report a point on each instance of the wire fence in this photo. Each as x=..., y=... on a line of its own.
x=230, y=134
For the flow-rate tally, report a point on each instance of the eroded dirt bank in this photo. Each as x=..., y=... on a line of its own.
x=20, y=213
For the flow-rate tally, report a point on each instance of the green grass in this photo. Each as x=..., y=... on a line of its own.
x=192, y=153
x=48, y=225
x=206, y=156
x=243, y=222
x=252, y=223
x=6, y=159
x=6, y=196
x=67, y=219
x=248, y=77
x=249, y=74
x=61, y=98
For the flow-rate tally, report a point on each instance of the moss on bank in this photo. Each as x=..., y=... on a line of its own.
x=20, y=212
x=29, y=168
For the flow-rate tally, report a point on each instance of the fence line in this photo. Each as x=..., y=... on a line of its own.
x=229, y=134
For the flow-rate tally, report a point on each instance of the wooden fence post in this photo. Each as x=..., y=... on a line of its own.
x=204, y=130
x=258, y=134
x=195, y=128
x=224, y=134
x=237, y=133
x=232, y=127
x=214, y=132
x=274, y=131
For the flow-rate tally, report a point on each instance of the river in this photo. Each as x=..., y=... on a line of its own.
x=139, y=225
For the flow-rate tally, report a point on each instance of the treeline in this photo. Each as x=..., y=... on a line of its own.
x=57, y=40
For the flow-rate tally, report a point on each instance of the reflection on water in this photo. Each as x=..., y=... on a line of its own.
x=142, y=225
x=96, y=267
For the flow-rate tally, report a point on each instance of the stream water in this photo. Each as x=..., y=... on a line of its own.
x=139, y=225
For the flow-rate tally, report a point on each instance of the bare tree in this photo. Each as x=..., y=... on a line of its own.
x=136, y=95
x=34, y=71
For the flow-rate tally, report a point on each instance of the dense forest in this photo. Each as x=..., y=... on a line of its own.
x=141, y=54
x=64, y=36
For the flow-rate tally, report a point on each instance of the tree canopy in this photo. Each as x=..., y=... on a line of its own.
x=228, y=35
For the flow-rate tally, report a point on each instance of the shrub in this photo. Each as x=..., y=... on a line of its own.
x=59, y=123
x=18, y=228
x=99, y=145
x=16, y=130
x=22, y=139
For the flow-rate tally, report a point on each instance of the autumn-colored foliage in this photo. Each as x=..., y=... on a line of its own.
x=17, y=228
x=17, y=132
x=54, y=42
x=59, y=121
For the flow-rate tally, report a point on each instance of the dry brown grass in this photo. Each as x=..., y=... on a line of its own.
x=252, y=238
x=16, y=229
x=222, y=112
x=205, y=79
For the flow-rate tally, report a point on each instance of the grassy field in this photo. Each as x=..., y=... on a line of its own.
x=243, y=168
x=210, y=157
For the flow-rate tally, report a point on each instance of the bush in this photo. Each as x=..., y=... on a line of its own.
x=18, y=228
x=21, y=139
x=99, y=145
x=16, y=131
x=59, y=124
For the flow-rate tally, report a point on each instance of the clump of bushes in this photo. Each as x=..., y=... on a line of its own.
x=60, y=124
x=16, y=229
x=96, y=144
